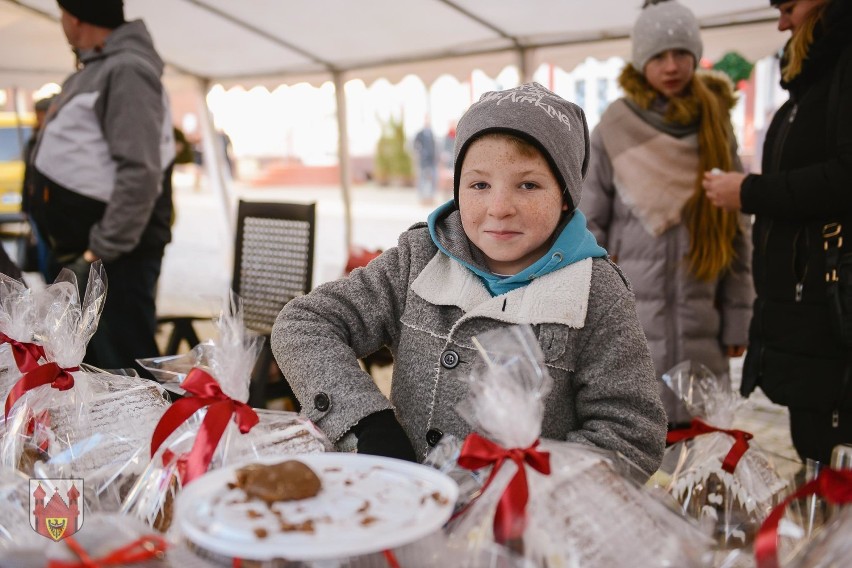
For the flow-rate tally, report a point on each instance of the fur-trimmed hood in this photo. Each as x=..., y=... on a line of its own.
x=680, y=110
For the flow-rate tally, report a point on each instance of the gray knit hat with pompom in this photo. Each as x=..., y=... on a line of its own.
x=664, y=25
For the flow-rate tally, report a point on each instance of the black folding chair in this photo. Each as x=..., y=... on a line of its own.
x=273, y=263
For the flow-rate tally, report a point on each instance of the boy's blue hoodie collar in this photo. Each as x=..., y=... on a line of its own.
x=574, y=243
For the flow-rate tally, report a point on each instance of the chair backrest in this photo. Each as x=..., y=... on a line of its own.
x=273, y=258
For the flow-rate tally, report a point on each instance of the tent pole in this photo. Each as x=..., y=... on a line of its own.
x=524, y=64
x=213, y=155
x=343, y=158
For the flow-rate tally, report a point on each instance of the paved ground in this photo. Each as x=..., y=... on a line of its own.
x=197, y=267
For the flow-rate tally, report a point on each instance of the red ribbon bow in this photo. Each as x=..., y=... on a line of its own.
x=36, y=426
x=699, y=427
x=220, y=409
x=26, y=354
x=47, y=374
x=511, y=518
x=834, y=485
x=145, y=548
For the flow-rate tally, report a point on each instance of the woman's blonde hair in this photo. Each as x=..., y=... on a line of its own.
x=712, y=230
x=799, y=44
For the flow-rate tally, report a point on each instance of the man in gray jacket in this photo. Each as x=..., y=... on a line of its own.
x=102, y=187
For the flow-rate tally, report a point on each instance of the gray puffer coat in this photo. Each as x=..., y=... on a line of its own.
x=684, y=318
x=426, y=307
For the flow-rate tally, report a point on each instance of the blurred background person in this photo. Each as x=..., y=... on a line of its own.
x=687, y=260
x=797, y=353
x=36, y=252
x=448, y=160
x=426, y=149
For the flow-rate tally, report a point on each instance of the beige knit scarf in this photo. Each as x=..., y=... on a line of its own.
x=659, y=174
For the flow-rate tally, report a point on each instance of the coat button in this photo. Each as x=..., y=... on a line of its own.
x=449, y=359
x=433, y=436
x=321, y=402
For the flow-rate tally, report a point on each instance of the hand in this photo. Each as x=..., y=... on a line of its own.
x=380, y=434
x=734, y=350
x=80, y=267
x=723, y=189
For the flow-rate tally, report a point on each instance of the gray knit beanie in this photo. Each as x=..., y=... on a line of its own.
x=661, y=26
x=544, y=119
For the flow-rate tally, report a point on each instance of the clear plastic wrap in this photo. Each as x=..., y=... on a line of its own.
x=14, y=510
x=787, y=533
x=831, y=547
x=104, y=540
x=718, y=475
x=585, y=508
x=18, y=318
x=62, y=422
x=220, y=369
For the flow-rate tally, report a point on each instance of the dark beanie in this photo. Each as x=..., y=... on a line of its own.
x=103, y=13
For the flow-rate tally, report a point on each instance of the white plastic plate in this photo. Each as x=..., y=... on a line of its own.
x=366, y=504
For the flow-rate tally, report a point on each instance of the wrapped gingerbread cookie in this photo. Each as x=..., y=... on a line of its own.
x=553, y=503
x=62, y=422
x=212, y=425
x=718, y=474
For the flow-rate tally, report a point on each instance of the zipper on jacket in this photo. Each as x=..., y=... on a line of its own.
x=800, y=279
x=775, y=166
x=844, y=388
x=783, y=131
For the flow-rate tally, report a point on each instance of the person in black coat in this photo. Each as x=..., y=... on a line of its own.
x=796, y=354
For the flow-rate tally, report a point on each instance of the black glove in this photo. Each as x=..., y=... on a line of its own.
x=80, y=267
x=380, y=434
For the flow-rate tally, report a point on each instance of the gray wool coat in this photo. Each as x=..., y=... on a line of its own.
x=426, y=308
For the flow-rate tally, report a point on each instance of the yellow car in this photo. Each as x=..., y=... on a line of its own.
x=15, y=131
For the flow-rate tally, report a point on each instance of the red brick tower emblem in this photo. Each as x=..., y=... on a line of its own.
x=61, y=516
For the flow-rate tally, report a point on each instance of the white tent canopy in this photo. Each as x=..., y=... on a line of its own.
x=269, y=42
x=273, y=41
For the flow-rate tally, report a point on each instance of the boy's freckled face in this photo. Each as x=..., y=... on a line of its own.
x=510, y=203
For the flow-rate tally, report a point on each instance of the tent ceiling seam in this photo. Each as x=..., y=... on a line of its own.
x=330, y=67
x=483, y=22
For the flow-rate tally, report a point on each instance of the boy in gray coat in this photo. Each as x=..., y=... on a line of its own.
x=510, y=248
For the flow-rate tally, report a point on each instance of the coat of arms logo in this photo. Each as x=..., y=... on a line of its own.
x=56, y=511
